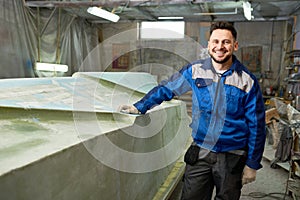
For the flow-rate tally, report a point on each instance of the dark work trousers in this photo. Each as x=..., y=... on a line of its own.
x=220, y=170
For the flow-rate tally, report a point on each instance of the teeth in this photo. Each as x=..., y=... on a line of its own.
x=220, y=52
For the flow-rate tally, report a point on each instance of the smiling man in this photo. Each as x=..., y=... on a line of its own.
x=228, y=119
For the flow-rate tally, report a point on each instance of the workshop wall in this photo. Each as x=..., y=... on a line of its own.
x=272, y=37
x=262, y=48
x=30, y=35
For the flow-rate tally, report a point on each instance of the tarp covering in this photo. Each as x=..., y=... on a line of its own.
x=28, y=35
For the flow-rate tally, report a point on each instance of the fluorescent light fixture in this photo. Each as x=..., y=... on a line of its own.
x=52, y=67
x=169, y=18
x=99, y=12
x=247, y=10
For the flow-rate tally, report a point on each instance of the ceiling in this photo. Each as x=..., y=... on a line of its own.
x=191, y=10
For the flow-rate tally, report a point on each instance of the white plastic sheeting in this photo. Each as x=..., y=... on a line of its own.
x=28, y=35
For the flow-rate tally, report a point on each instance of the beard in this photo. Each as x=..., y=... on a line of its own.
x=224, y=60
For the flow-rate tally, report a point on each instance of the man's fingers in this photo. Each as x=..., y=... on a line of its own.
x=123, y=108
x=247, y=180
x=249, y=175
x=128, y=109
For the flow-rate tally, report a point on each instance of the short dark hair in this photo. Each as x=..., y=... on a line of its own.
x=223, y=25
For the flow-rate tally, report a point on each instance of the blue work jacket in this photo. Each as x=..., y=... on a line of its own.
x=227, y=111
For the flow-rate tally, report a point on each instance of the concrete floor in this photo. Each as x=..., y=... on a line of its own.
x=270, y=184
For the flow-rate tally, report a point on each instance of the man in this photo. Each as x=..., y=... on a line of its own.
x=228, y=119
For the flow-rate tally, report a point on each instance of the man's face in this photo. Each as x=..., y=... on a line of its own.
x=221, y=45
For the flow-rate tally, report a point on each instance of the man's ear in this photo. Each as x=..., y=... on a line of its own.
x=236, y=46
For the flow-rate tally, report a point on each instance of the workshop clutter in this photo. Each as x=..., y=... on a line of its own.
x=283, y=129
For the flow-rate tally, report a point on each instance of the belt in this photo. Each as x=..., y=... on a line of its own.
x=203, y=152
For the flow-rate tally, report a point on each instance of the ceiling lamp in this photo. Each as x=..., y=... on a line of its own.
x=52, y=67
x=99, y=12
x=247, y=10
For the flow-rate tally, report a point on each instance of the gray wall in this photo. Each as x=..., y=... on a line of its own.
x=273, y=37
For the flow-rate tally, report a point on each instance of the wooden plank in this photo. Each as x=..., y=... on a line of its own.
x=271, y=113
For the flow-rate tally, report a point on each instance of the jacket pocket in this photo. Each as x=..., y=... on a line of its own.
x=236, y=163
x=234, y=102
x=202, y=94
x=203, y=82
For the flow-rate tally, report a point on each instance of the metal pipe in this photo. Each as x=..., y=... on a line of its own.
x=38, y=24
x=48, y=21
x=218, y=13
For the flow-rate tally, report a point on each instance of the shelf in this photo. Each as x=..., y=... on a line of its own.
x=292, y=66
x=293, y=81
x=289, y=68
x=294, y=53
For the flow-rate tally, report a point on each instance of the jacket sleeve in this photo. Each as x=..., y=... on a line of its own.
x=176, y=85
x=255, y=116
